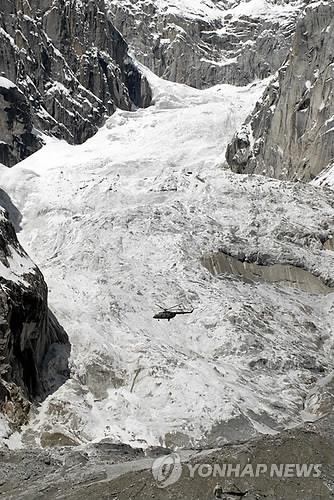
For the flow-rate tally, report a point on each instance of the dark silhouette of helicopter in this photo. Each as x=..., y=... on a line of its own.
x=168, y=312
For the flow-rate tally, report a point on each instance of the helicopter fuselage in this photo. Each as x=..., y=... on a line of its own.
x=169, y=314
x=165, y=315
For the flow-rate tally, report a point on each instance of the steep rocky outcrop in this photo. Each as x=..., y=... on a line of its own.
x=70, y=62
x=207, y=43
x=219, y=263
x=34, y=349
x=290, y=134
x=17, y=139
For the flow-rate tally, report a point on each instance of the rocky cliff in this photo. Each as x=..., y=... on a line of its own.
x=205, y=43
x=70, y=63
x=16, y=131
x=290, y=134
x=34, y=349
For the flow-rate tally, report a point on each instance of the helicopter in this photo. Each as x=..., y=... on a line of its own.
x=168, y=312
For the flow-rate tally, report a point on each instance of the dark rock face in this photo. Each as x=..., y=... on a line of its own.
x=290, y=134
x=17, y=140
x=34, y=349
x=70, y=62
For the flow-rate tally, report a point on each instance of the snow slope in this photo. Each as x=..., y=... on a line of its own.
x=192, y=9
x=209, y=10
x=5, y=83
x=120, y=224
x=16, y=265
x=325, y=178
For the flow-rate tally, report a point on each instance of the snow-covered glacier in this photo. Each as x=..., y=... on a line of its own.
x=142, y=214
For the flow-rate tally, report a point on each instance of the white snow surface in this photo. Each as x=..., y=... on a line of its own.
x=5, y=83
x=16, y=265
x=209, y=10
x=120, y=223
x=325, y=178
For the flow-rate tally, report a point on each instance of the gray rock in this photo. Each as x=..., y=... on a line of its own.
x=200, y=51
x=17, y=139
x=278, y=273
x=74, y=473
x=290, y=133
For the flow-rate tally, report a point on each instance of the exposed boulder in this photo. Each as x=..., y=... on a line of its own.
x=34, y=349
x=290, y=134
x=70, y=62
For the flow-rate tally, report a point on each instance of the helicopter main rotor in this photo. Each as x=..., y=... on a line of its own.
x=168, y=308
